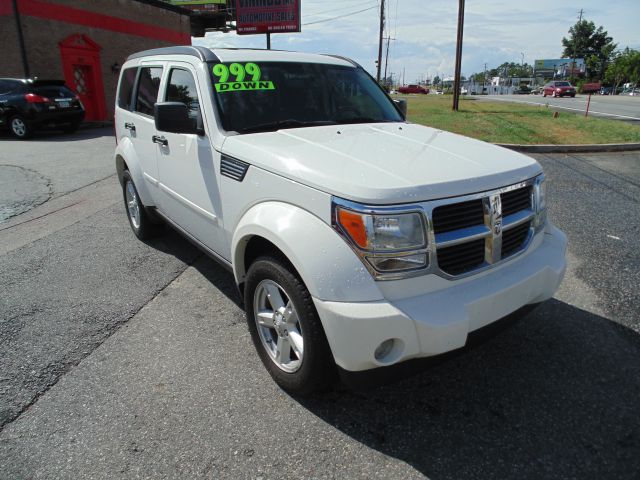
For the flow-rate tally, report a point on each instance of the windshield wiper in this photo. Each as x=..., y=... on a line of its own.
x=363, y=120
x=291, y=123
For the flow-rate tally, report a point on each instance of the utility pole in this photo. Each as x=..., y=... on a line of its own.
x=575, y=44
x=23, y=49
x=484, y=79
x=456, y=80
x=386, y=60
x=380, y=39
x=268, y=41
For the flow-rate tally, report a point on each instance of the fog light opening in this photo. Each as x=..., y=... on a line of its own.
x=389, y=350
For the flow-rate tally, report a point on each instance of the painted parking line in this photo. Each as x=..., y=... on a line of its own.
x=569, y=108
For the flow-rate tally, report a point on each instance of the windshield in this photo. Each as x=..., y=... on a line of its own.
x=274, y=95
x=563, y=84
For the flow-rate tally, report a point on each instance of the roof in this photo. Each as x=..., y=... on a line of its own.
x=244, y=55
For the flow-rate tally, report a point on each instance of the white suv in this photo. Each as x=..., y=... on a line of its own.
x=357, y=239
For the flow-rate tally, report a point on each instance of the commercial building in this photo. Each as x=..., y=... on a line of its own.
x=85, y=42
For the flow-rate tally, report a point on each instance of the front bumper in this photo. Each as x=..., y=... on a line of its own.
x=440, y=321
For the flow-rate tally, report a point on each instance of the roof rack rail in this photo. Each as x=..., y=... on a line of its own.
x=202, y=53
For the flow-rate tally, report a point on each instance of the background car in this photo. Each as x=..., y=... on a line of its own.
x=413, y=89
x=559, y=89
x=27, y=105
x=606, y=91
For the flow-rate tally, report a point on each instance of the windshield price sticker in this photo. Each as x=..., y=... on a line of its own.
x=240, y=73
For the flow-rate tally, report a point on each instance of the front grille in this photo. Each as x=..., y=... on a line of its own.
x=457, y=215
x=461, y=258
x=514, y=238
x=515, y=200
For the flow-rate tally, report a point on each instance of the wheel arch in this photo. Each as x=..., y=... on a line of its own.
x=326, y=264
x=126, y=158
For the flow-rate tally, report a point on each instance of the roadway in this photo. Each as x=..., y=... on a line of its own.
x=616, y=107
x=124, y=359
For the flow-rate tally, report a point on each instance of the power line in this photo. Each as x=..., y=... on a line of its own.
x=368, y=2
x=340, y=16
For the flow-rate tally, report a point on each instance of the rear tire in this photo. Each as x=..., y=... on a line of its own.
x=285, y=327
x=139, y=219
x=19, y=127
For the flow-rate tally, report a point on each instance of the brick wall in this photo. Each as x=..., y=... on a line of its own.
x=42, y=36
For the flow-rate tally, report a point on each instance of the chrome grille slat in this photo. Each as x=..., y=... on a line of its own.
x=472, y=234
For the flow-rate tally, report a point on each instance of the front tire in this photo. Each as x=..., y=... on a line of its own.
x=139, y=219
x=285, y=327
x=19, y=127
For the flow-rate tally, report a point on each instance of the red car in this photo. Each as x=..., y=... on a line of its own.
x=559, y=89
x=413, y=89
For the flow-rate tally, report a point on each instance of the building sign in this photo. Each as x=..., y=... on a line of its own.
x=267, y=16
x=200, y=5
x=559, y=64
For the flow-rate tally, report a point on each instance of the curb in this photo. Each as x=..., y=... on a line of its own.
x=587, y=148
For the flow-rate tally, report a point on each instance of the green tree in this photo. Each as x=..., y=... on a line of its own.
x=436, y=80
x=625, y=67
x=591, y=43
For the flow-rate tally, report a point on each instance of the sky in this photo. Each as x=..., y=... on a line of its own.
x=495, y=31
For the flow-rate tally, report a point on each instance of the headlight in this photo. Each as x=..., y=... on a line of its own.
x=388, y=242
x=541, y=202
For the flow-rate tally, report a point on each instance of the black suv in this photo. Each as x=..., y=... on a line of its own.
x=27, y=105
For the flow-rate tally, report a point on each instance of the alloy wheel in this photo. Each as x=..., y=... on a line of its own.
x=278, y=325
x=18, y=127
x=133, y=205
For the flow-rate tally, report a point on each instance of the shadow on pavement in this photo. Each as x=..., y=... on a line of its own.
x=172, y=243
x=555, y=396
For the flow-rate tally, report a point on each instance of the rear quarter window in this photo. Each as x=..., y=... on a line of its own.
x=125, y=90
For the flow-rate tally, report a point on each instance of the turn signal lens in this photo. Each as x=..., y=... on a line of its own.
x=353, y=223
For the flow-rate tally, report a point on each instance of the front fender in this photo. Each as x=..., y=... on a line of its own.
x=327, y=265
x=126, y=153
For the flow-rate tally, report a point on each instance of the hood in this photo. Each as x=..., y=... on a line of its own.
x=383, y=163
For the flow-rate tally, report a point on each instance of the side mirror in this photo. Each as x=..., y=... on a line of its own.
x=402, y=106
x=173, y=117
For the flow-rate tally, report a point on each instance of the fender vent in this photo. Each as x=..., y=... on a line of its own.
x=232, y=168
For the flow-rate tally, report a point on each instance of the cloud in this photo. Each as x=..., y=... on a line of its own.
x=495, y=31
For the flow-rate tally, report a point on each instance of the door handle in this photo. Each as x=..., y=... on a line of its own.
x=130, y=126
x=160, y=140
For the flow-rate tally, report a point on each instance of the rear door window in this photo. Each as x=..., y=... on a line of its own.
x=148, y=87
x=125, y=90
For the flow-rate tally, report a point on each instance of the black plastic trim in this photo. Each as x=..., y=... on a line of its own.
x=202, y=53
x=233, y=168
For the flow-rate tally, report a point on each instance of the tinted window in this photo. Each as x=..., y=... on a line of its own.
x=148, y=87
x=5, y=87
x=126, y=87
x=52, y=91
x=182, y=88
x=276, y=95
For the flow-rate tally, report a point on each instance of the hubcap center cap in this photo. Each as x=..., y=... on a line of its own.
x=280, y=324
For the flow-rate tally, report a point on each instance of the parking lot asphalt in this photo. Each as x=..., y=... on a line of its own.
x=122, y=359
x=625, y=108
